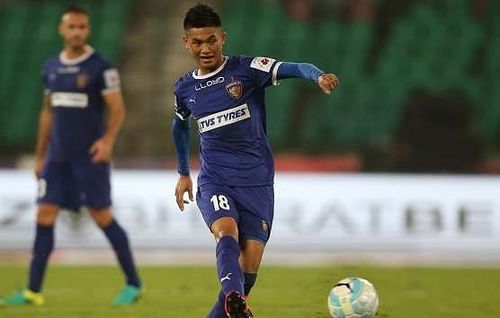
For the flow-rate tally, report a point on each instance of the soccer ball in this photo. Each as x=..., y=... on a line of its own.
x=353, y=297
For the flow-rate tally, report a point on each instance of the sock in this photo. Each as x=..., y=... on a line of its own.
x=228, y=266
x=229, y=272
x=42, y=247
x=250, y=279
x=218, y=308
x=119, y=241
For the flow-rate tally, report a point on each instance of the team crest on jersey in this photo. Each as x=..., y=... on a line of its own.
x=82, y=80
x=235, y=89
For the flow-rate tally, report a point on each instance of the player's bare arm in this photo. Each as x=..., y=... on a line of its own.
x=184, y=184
x=44, y=128
x=102, y=148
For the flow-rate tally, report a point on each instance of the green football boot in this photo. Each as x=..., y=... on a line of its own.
x=24, y=297
x=128, y=295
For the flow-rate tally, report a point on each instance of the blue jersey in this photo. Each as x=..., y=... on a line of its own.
x=228, y=105
x=76, y=88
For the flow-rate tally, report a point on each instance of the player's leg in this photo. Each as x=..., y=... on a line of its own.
x=220, y=214
x=43, y=244
x=51, y=195
x=231, y=297
x=42, y=248
x=94, y=182
x=95, y=186
x=251, y=257
x=256, y=214
x=256, y=209
x=118, y=239
x=225, y=231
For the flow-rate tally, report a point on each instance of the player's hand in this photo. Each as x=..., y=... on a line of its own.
x=328, y=82
x=38, y=167
x=184, y=184
x=101, y=151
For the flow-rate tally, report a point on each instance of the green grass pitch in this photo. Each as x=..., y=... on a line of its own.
x=281, y=292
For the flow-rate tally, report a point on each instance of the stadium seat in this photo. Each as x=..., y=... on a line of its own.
x=19, y=23
x=29, y=36
x=435, y=46
x=280, y=104
x=237, y=22
x=328, y=49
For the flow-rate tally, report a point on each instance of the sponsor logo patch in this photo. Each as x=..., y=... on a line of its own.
x=68, y=70
x=262, y=63
x=111, y=79
x=223, y=118
x=209, y=83
x=72, y=100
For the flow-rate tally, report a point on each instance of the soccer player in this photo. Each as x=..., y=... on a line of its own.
x=225, y=95
x=73, y=152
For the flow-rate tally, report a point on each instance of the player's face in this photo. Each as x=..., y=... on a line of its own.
x=75, y=30
x=205, y=45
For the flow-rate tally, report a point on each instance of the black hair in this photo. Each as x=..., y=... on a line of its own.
x=73, y=8
x=201, y=15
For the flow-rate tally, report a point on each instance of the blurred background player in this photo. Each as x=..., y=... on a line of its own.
x=225, y=95
x=74, y=149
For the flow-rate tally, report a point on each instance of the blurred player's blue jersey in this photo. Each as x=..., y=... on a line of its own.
x=228, y=105
x=76, y=88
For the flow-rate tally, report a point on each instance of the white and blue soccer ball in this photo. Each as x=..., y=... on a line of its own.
x=353, y=297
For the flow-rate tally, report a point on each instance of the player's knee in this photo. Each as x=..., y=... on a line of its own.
x=225, y=226
x=45, y=220
x=101, y=217
x=46, y=214
x=222, y=233
x=250, y=263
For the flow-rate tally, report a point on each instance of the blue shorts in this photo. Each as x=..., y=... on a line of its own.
x=251, y=207
x=74, y=184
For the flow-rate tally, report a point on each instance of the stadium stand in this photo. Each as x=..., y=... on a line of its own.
x=29, y=36
x=432, y=46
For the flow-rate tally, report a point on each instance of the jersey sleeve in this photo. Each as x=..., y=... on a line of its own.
x=180, y=110
x=263, y=70
x=109, y=80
